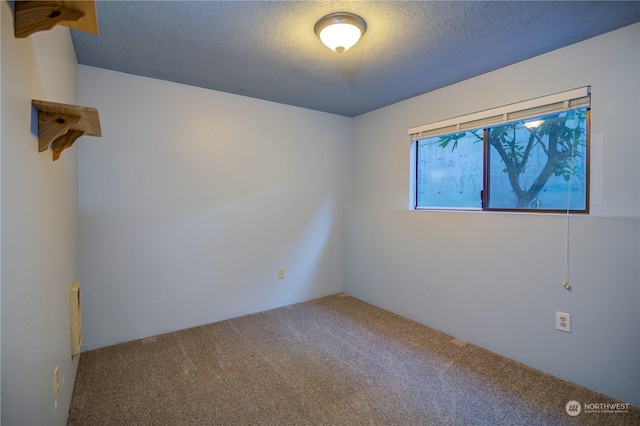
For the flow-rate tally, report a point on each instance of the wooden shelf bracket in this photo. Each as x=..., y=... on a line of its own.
x=60, y=125
x=34, y=16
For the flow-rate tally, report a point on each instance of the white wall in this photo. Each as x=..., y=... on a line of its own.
x=192, y=200
x=39, y=229
x=494, y=279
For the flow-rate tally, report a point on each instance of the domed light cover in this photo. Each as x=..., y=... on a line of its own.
x=340, y=31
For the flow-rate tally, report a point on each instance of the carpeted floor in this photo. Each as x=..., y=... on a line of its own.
x=330, y=361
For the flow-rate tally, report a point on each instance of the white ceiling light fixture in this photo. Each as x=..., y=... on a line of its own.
x=340, y=31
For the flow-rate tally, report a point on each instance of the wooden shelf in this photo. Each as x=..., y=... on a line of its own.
x=59, y=125
x=34, y=16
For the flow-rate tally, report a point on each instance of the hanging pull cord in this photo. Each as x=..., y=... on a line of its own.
x=566, y=281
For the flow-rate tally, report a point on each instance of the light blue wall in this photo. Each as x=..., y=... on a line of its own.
x=192, y=200
x=39, y=230
x=494, y=279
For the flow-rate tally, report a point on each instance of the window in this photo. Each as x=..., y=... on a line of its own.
x=531, y=156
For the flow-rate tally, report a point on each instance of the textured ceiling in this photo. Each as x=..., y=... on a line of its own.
x=268, y=50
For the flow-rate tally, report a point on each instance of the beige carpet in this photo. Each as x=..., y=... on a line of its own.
x=330, y=361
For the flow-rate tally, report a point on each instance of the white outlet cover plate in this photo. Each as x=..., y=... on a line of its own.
x=563, y=322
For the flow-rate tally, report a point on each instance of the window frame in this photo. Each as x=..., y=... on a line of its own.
x=485, y=191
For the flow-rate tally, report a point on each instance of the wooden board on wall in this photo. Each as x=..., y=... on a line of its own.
x=89, y=22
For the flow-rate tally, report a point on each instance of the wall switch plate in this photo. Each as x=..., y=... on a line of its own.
x=563, y=322
x=280, y=273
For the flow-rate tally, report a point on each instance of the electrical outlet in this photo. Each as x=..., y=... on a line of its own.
x=280, y=273
x=563, y=322
x=56, y=385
